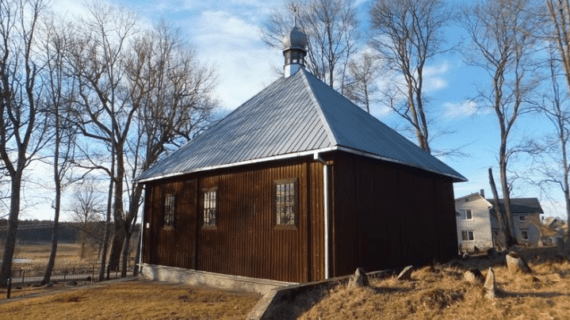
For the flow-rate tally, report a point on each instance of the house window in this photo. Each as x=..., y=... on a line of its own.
x=524, y=234
x=522, y=218
x=210, y=208
x=468, y=215
x=169, y=207
x=467, y=235
x=285, y=198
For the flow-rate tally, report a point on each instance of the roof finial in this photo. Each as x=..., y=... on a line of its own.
x=295, y=14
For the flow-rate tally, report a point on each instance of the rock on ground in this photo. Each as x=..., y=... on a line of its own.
x=358, y=280
x=474, y=276
x=516, y=263
x=490, y=285
x=406, y=274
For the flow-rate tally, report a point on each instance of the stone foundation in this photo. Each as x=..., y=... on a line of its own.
x=210, y=279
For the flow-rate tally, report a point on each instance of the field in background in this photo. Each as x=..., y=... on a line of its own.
x=72, y=259
x=134, y=300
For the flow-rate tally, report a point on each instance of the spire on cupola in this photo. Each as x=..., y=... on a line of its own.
x=295, y=50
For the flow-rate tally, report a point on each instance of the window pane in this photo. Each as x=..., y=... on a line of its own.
x=285, y=203
x=210, y=208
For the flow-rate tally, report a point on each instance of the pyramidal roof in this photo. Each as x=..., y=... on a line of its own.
x=294, y=116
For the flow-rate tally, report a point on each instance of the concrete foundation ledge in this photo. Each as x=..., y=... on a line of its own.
x=291, y=301
x=210, y=279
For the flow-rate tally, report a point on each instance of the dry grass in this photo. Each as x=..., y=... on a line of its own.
x=440, y=292
x=134, y=300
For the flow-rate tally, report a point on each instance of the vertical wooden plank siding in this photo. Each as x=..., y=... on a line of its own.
x=317, y=221
x=147, y=242
x=389, y=215
x=245, y=241
x=345, y=210
x=447, y=223
x=382, y=215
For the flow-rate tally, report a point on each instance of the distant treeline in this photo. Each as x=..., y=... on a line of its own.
x=40, y=230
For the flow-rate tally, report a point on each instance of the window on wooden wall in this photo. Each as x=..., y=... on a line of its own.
x=169, y=210
x=210, y=211
x=285, y=198
x=467, y=235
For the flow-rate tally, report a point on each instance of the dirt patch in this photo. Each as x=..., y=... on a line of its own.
x=440, y=292
x=134, y=300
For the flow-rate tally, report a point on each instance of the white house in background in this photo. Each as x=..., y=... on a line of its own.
x=477, y=227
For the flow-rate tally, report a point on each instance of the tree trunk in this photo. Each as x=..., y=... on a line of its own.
x=10, y=244
x=120, y=225
x=57, y=181
x=108, y=220
x=504, y=233
x=126, y=250
x=506, y=195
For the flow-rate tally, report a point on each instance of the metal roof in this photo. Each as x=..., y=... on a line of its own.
x=294, y=116
x=521, y=205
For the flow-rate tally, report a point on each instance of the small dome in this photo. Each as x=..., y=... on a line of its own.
x=296, y=39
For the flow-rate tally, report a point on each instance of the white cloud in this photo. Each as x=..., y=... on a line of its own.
x=433, y=77
x=458, y=110
x=245, y=64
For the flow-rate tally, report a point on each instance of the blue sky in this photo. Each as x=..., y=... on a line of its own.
x=226, y=34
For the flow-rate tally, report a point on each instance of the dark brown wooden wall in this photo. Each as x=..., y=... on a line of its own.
x=245, y=242
x=388, y=215
x=383, y=215
x=173, y=246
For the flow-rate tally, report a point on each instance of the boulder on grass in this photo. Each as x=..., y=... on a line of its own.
x=474, y=276
x=465, y=256
x=406, y=274
x=49, y=284
x=559, y=243
x=515, y=263
x=358, y=280
x=490, y=285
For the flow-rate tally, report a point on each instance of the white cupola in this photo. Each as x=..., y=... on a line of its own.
x=295, y=50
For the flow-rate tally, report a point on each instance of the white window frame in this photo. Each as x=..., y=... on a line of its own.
x=169, y=210
x=465, y=235
x=210, y=208
x=465, y=214
x=285, y=203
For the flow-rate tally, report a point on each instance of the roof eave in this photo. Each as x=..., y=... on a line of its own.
x=455, y=178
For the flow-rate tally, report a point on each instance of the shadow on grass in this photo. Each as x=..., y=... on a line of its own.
x=513, y=294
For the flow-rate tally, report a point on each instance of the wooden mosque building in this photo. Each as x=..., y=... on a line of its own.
x=298, y=184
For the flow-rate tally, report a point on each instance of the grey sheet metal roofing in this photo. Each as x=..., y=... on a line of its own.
x=294, y=116
x=521, y=205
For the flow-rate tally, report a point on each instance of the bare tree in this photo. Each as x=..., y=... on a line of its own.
x=556, y=111
x=361, y=88
x=172, y=93
x=104, y=114
x=87, y=211
x=503, y=44
x=407, y=34
x=22, y=121
x=332, y=30
x=59, y=89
